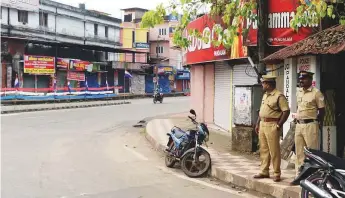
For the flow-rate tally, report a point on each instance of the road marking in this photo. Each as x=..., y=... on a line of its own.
x=164, y=169
x=139, y=155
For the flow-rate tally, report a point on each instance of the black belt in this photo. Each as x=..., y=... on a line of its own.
x=306, y=121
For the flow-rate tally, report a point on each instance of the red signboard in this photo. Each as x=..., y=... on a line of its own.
x=199, y=51
x=39, y=64
x=280, y=13
x=78, y=76
x=62, y=62
x=79, y=65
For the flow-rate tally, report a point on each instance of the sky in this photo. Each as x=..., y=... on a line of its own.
x=113, y=6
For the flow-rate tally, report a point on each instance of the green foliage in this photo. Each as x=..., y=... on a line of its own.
x=153, y=17
x=231, y=12
x=311, y=15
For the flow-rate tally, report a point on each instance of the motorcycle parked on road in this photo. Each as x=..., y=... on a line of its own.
x=323, y=170
x=185, y=147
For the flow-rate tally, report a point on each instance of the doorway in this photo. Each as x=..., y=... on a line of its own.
x=340, y=105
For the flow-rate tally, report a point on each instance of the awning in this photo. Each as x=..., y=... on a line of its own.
x=328, y=41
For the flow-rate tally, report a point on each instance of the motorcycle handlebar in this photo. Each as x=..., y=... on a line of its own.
x=193, y=120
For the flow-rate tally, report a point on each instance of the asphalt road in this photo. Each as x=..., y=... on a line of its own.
x=93, y=152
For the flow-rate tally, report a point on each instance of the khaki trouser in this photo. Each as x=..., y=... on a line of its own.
x=269, y=148
x=306, y=135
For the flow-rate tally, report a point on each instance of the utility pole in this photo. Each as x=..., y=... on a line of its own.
x=262, y=33
x=158, y=61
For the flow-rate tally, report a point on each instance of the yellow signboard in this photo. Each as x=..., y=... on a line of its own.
x=39, y=71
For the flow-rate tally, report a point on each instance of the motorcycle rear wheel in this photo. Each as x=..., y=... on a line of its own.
x=198, y=168
x=316, y=179
x=170, y=160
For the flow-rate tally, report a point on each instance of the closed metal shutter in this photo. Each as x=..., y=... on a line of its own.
x=61, y=78
x=222, y=95
x=240, y=77
x=28, y=81
x=43, y=81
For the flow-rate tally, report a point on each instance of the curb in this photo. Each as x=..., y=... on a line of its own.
x=271, y=189
x=156, y=146
x=64, y=107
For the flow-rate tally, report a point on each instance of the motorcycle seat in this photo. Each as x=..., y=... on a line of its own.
x=178, y=132
x=337, y=162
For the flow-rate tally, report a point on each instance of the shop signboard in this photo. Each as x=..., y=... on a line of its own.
x=79, y=65
x=139, y=45
x=308, y=63
x=165, y=70
x=77, y=76
x=280, y=14
x=200, y=51
x=39, y=65
x=62, y=63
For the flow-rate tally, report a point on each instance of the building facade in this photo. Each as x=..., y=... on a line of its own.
x=171, y=75
x=135, y=39
x=81, y=45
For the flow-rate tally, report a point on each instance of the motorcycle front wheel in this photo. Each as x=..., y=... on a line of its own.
x=317, y=180
x=198, y=167
x=154, y=101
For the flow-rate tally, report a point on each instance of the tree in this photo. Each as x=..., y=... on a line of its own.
x=234, y=12
x=313, y=11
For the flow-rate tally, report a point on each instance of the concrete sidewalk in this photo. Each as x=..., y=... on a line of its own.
x=226, y=166
x=56, y=106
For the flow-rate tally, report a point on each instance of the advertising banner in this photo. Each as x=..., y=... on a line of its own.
x=39, y=64
x=77, y=76
x=199, y=51
x=79, y=65
x=62, y=62
x=280, y=13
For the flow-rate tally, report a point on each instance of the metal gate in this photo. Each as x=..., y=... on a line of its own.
x=244, y=75
x=222, y=94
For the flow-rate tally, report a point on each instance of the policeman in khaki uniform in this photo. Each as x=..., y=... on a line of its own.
x=274, y=111
x=310, y=114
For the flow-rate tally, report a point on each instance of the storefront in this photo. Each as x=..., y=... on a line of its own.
x=182, y=81
x=38, y=72
x=166, y=78
x=222, y=94
x=212, y=74
x=138, y=83
x=329, y=77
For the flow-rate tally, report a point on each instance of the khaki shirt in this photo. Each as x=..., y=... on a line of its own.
x=308, y=103
x=271, y=106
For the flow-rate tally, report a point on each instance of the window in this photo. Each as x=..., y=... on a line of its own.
x=133, y=37
x=162, y=31
x=159, y=49
x=43, y=19
x=23, y=16
x=106, y=32
x=106, y=56
x=95, y=29
x=171, y=30
x=128, y=18
x=147, y=37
